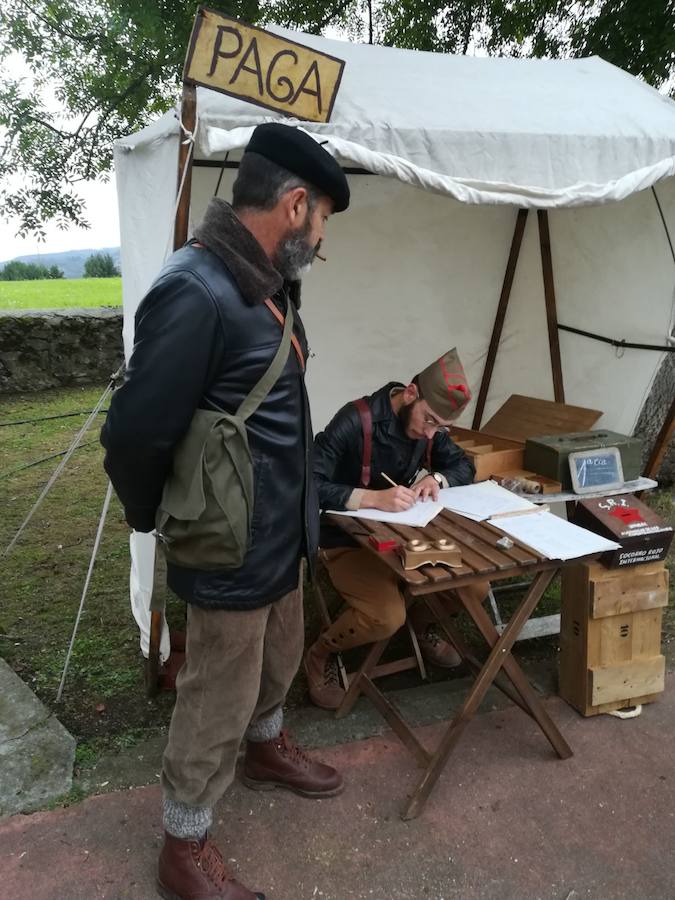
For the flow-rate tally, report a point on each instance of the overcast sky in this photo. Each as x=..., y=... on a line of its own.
x=101, y=212
x=100, y=205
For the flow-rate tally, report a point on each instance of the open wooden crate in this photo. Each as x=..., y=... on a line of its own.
x=498, y=448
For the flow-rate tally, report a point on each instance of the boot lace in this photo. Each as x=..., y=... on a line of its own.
x=331, y=675
x=212, y=864
x=291, y=751
x=432, y=635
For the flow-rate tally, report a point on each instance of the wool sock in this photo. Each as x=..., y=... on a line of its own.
x=188, y=823
x=266, y=728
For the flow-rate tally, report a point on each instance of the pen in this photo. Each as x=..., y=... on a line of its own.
x=390, y=480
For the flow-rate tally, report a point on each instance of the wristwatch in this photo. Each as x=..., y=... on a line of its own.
x=438, y=478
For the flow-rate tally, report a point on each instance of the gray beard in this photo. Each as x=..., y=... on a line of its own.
x=294, y=255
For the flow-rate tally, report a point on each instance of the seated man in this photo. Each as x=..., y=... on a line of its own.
x=400, y=432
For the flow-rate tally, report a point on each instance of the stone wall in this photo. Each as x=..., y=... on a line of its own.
x=53, y=348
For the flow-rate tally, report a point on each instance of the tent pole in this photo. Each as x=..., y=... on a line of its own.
x=551, y=314
x=188, y=118
x=514, y=253
x=661, y=444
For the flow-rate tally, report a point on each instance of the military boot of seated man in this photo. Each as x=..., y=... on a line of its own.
x=434, y=645
x=195, y=870
x=281, y=763
x=323, y=679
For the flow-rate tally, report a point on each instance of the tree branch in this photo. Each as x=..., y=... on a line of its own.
x=467, y=29
x=89, y=40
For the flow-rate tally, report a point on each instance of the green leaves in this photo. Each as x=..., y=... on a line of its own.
x=93, y=72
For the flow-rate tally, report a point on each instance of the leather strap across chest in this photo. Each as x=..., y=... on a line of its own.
x=279, y=316
x=366, y=417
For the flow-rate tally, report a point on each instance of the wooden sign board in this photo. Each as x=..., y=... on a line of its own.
x=229, y=56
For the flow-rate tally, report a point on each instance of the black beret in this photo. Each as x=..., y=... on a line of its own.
x=296, y=151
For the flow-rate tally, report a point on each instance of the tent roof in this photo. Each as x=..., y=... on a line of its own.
x=496, y=130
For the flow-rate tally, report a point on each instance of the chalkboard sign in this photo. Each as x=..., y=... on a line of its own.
x=596, y=470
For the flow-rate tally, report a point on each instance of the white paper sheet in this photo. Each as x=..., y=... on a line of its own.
x=483, y=500
x=552, y=536
x=417, y=516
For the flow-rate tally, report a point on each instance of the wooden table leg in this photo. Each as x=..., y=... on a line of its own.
x=495, y=661
x=517, y=677
x=396, y=722
x=445, y=621
x=372, y=658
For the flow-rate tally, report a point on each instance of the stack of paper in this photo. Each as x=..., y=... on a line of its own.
x=552, y=536
x=483, y=500
x=417, y=516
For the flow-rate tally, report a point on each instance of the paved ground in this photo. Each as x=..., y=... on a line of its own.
x=508, y=821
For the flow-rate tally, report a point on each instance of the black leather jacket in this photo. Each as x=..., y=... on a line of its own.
x=199, y=340
x=338, y=455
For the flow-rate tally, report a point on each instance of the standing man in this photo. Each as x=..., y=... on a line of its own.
x=204, y=337
x=400, y=433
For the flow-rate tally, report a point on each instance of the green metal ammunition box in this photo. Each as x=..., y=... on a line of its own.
x=547, y=455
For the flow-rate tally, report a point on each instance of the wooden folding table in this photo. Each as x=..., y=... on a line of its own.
x=481, y=560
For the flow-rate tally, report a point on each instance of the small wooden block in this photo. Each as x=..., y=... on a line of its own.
x=442, y=552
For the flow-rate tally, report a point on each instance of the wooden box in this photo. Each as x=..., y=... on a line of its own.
x=490, y=455
x=610, y=636
x=498, y=448
x=643, y=535
x=549, y=453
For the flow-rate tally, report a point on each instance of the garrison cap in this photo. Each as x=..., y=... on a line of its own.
x=444, y=386
x=296, y=151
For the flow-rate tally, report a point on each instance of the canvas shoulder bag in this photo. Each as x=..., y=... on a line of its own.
x=204, y=518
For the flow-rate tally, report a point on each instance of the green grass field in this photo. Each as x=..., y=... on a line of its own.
x=60, y=293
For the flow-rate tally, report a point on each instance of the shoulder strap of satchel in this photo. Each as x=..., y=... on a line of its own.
x=249, y=404
x=278, y=315
x=367, y=428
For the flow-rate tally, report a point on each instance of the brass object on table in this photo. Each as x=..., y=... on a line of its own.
x=442, y=551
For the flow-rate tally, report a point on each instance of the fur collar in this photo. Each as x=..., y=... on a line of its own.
x=221, y=232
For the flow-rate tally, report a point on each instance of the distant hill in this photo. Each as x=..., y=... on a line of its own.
x=71, y=262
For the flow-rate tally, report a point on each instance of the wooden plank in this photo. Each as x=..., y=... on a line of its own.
x=549, y=297
x=643, y=676
x=500, y=316
x=470, y=547
x=523, y=417
x=619, y=704
x=519, y=553
x=573, y=682
x=485, y=544
x=360, y=529
x=629, y=590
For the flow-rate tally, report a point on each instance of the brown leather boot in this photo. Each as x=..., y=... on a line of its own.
x=436, y=649
x=279, y=763
x=194, y=870
x=323, y=679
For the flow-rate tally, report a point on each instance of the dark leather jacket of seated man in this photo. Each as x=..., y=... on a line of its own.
x=338, y=457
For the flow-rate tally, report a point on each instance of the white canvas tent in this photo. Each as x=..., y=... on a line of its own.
x=453, y=146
